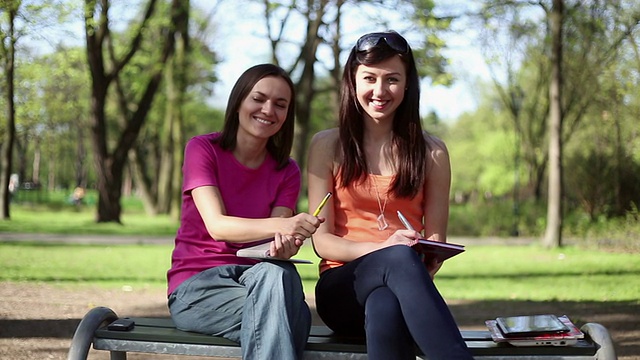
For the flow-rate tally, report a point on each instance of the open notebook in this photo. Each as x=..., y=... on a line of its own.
x=440, y=250
x=261, y=251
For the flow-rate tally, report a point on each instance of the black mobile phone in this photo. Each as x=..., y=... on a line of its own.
x=531, y=325
x=124, y=324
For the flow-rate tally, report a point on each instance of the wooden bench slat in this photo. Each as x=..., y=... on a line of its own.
x=159, y=336
x=322, y=339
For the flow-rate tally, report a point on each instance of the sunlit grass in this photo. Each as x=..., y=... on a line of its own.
x=83, y=221
x=483, y=272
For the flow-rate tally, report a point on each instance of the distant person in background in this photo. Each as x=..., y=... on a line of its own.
x=240, y=186
x=14, y=185
x=78, y=195
x=377, y=162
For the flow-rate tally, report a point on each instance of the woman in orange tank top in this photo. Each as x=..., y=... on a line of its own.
x=377, y=162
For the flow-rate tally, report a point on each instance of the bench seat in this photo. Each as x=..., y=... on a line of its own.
x=159, y=336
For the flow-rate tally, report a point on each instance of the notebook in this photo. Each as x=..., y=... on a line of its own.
x=441, y=250
x=261, y=251
x=552, y=339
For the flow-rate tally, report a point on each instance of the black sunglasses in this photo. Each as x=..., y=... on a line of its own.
x=392, y=38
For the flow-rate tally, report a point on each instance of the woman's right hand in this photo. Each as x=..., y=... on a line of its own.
x=300, y=226
x=402, y=237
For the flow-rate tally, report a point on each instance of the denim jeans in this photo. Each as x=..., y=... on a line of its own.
x=389, y=297
x=262, y=307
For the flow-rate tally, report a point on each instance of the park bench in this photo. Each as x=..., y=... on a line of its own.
x=159, y=336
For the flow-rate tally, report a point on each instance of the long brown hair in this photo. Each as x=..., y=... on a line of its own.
x=279, y=145
x=408, y=137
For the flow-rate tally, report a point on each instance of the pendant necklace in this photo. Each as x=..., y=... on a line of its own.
x=382, y=222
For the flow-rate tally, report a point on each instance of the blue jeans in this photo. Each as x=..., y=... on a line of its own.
x=262, y=307
x=389, y=297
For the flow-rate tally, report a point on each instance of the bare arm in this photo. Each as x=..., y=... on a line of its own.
x=320, y=181
x=436, y=192
x=236, y=229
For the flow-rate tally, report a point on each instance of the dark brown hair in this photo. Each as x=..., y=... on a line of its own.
x=279, y=145
x=408, y=138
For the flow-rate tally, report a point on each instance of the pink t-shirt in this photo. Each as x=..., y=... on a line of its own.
x=246, y=192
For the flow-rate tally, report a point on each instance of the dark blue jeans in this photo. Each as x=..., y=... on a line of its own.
x=389, y=297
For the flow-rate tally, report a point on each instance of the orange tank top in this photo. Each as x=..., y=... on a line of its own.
x=356, y=211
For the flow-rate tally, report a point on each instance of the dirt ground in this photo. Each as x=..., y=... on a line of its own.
x=38, y=321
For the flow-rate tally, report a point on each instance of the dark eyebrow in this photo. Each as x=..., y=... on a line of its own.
x=278, y=99
x=385, y=75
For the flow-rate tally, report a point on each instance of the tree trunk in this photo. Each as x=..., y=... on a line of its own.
x=51, y=172
x=167, y=146
x=21, y=147
x=142, y=182
x=305, y=86
x=181, y=63
x=553, y=233
x=81, y=157
x=35, y=167
x=110, y=165
x=169, y=183
x=6, y=147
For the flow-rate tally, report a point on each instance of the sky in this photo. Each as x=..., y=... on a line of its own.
x=242, y=43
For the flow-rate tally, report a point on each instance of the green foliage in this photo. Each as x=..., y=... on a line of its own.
x=51, y=118
x=481, y=152
x=429, y=54
x=497, y=217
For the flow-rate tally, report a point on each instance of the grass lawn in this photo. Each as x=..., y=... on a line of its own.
x=483, y=272
x=82, y=221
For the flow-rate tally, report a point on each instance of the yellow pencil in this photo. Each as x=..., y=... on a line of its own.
x=322, y=203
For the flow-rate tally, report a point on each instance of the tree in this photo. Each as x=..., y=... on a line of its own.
x=590, y=33
x=553, y=232
x=155, y=161
x=105, y=67
x=8, y=8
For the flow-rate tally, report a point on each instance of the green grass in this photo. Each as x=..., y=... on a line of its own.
x=72, y=221
x=534, y=273
x=483, y=272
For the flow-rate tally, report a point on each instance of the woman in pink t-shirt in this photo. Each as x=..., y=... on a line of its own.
x=377, y=162
x=240, y=188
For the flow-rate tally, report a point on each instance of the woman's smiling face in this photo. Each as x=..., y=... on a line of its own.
x=380, y=88
x=264, y=111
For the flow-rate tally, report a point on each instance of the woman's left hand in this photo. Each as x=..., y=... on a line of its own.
x=433, y=266
x=284, y=246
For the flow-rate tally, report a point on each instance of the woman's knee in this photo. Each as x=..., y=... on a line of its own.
x=385, y=324
x=274, y=275
x=382, y=306
x=396, y=256
x=400, y=253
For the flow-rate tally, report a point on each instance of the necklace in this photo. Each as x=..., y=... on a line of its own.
x=382, y=222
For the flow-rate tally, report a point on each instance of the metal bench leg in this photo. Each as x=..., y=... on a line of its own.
x=118, y=355
x=600, y=335
x=83, y=337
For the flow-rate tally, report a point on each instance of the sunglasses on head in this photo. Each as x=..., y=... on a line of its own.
x=392, y=38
